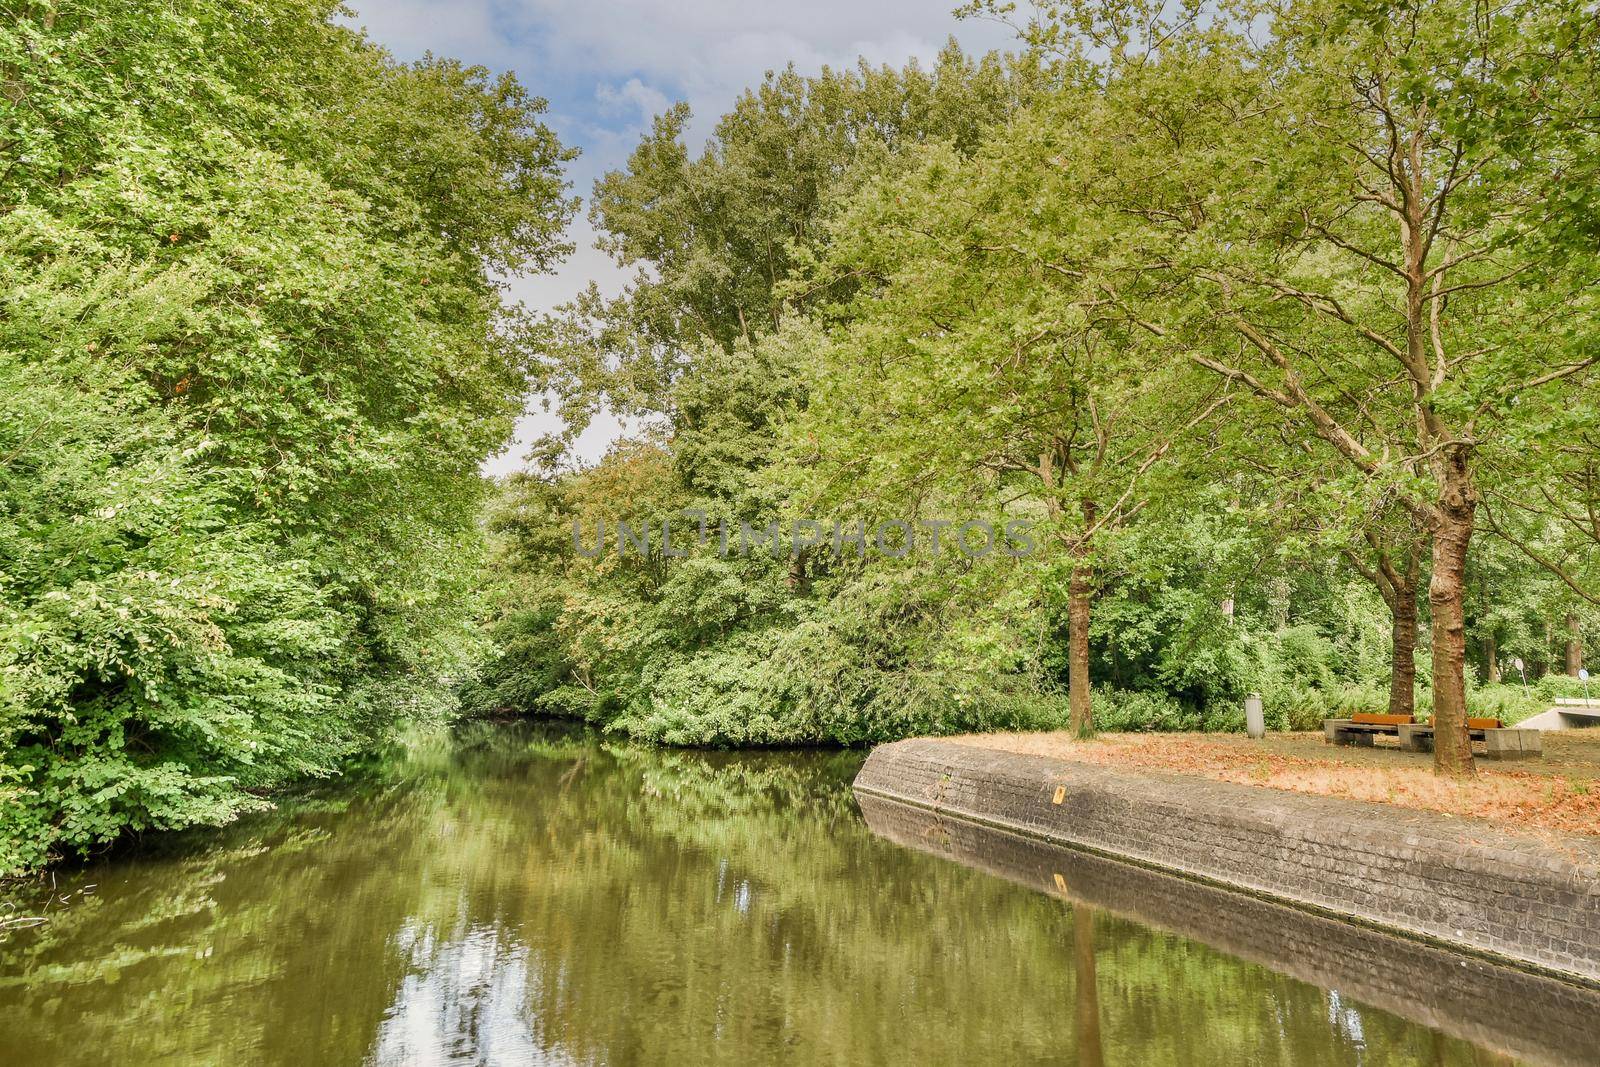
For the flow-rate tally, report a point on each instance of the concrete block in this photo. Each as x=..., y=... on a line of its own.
x=1564, y=717
x=1512, y=744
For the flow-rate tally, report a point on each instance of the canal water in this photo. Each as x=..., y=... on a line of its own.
x=536, y=895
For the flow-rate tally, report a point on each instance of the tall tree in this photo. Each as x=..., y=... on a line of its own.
x=256, y=255
x=712, y=235
x=966, y=356
x=1320, y=222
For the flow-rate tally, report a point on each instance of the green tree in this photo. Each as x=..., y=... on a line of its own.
x=712, y=236
x=708, y=649
x=966, y=356
x=1317, y=219
x=251, y=354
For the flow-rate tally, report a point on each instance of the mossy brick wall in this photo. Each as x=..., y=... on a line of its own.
x=1529, y=1016
x=1532, y=899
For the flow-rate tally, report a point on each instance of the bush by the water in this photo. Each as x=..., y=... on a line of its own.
x=250, y=359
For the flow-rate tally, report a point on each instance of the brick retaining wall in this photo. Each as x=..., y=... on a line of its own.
x=1533, y=900
x=1530, y=1016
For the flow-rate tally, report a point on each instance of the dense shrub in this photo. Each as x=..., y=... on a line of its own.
x=1128, y=710
x=251, y=356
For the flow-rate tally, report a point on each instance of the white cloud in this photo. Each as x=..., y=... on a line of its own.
x=543, y=292
x=704, y=43
x=647, y=53
x=464, y=29
x=633, y=99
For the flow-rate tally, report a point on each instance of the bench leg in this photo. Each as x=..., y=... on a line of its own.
x=1413, y=739
x=1346, y=738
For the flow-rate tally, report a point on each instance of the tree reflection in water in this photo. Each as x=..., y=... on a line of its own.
x=1087, y=996
x=530, y=894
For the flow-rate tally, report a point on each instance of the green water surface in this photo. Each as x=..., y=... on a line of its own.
x=533, y=895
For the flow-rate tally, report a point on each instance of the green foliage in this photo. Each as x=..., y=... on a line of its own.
x=1143, y=711
x=1140, y=287
x=713, y=237
x=1152, y=286
x=250, y=357
x=716, y=651
x=750, y=650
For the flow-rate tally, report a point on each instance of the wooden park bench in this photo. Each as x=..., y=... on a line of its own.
x=1499, y=741
x=1362, y=727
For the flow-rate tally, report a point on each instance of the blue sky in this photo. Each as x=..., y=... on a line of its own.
x=608, y=68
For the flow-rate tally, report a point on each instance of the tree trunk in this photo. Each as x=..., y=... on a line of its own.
x=1491, y=653
x=797, y=579
x=1398, y=587
x=1452, y=531
x=1403, y=656
x=1082, y=714
x=1574, y=645
x=1086, y=991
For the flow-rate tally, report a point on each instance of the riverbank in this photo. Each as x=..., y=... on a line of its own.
x=1524, y=897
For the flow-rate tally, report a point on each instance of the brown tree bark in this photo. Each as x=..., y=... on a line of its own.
x=1398, y=587
x=1574, y=645
x=1085, y=987
x=797, y=579
x=1403, y=655
x=1452, y=748
x=1081, y=720
x=1491, y=654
